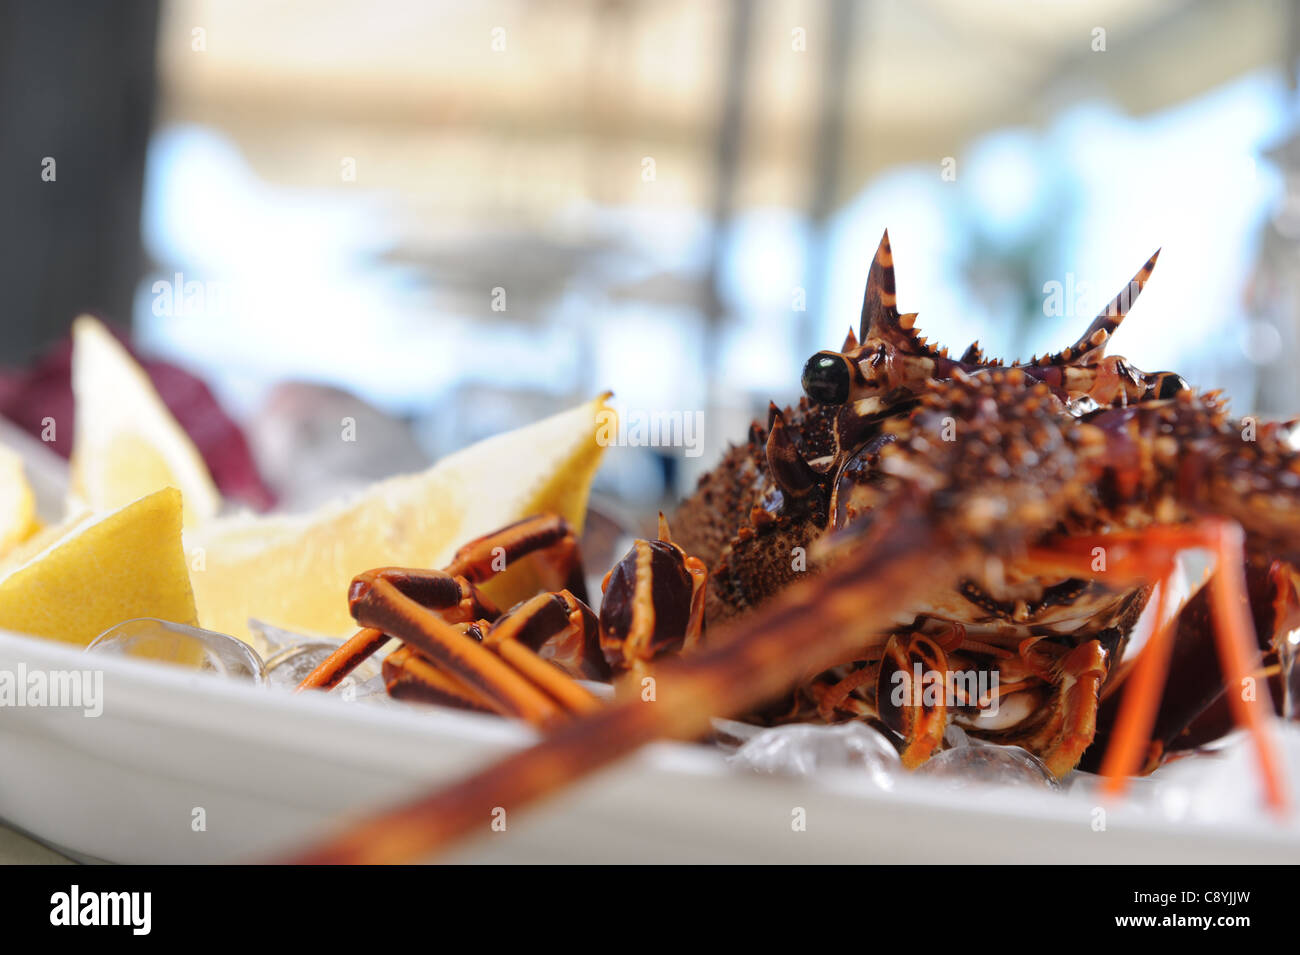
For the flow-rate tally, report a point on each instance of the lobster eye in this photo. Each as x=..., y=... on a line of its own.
x=1170, y=384
x=826, y=378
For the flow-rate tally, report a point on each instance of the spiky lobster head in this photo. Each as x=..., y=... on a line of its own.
x=888, y=361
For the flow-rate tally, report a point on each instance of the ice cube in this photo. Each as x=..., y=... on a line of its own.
x=954, y=737
x=286, y=669
x=1154, y=795
x=982, y=763
x=730, y=735
x=277, y=638
x=1225, y=784
x=802, y=749
x=164, y=640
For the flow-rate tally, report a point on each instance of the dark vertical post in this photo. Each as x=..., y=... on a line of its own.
x=731, y=127
x=77, y=83
x=840, y=26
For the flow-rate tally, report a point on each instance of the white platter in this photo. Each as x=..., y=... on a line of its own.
x=269, y=769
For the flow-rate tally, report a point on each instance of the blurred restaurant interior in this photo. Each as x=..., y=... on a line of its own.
x=450, y=219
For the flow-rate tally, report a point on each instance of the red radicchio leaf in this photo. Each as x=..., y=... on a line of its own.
x=30, y=395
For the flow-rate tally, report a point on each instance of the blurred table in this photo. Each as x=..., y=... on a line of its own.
x=17, y=849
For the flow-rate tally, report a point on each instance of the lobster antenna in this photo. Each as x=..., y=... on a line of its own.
x=880, y=315
x=1091, y=346
x=880, y=303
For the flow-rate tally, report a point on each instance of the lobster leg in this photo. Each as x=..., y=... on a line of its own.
x=1239, y=658
x=919, y=709
x=1137, y=713
x=409, y=676
x=379, y=604
x=654, y=602
x=812, y=626
x=511, y=640
x=909, y=705
x=455, y=597
x=1070, y=681
x=545, y=620
x=1193, y=709
x=548, y=538
x=1151, y=556
x=351, y=654
x=1082, y=673
x=1192, y=685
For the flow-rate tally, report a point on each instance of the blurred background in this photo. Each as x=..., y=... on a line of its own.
x=450, y=219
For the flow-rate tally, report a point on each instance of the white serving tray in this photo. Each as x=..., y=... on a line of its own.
x=270, y=769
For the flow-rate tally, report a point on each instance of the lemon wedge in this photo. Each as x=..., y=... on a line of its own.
x=17, y=503
x=74, y=581
x=294, y=571
x=126, y=444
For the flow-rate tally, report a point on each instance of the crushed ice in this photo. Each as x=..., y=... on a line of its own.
x=802, y=749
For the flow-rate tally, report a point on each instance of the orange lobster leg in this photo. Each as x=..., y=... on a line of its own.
x=504, y=639
x=917, y=708
x=1150, y=555
x=1239, y=656
x=1082, y=671
x=547, y=677
x=379, y=604
x=549, y=539
x=813, y=625
x=454, y=597
x=350, y=655
x=452, y=591
x=409, y=676
x=1125, y=756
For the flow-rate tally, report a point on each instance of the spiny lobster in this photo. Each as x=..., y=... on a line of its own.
x=953, y=513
